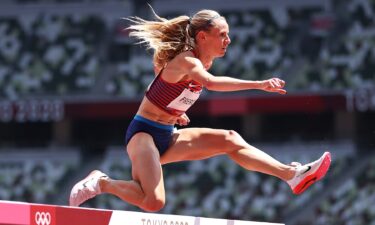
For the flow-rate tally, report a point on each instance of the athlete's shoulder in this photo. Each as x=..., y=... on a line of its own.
x=188, y=60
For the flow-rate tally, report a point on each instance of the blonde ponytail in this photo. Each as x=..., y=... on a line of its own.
x=169, y=38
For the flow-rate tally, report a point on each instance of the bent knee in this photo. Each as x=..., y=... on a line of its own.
x=153, y=204
x=233, y=133
x=234, y=140
x=232, y=136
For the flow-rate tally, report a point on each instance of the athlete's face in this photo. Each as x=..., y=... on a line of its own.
x=217, y=39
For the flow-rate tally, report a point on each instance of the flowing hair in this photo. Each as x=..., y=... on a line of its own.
x=168, y=38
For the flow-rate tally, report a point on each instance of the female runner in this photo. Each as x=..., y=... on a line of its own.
x=184, y=49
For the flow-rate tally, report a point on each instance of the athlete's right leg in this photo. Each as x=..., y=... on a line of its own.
x=146, y=190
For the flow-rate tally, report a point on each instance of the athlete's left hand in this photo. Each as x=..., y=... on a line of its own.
x=183, y=120
x=273, y=85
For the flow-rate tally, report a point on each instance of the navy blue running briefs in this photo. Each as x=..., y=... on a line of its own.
x=161, y=134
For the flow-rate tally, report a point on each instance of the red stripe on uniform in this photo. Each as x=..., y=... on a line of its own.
x=162, y=93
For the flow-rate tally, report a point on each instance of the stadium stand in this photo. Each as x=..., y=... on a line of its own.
x=34, y=175
x=295, y=44
x=44, y=51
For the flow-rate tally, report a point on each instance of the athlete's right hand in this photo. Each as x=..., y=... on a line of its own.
x=183, y=120
x=273, y=85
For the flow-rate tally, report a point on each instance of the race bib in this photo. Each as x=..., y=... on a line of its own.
x=184, y=100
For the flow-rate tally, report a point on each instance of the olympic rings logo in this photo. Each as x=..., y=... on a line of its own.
x=42, y=218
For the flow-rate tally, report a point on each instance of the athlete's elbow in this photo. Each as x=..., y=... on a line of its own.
x=209, y=86
x=215, y=86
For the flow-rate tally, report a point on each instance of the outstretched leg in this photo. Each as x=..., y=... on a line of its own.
x=201, y=143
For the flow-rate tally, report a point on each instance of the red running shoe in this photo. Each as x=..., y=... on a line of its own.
x=310, y=173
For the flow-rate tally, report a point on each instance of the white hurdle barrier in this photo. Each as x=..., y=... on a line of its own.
x=21, y=213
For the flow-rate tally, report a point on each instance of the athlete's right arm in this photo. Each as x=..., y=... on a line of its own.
x=197, y=72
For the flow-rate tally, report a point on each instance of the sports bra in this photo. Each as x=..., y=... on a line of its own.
x=173, y=98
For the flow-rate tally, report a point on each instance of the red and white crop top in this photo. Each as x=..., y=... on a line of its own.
x=173, y=98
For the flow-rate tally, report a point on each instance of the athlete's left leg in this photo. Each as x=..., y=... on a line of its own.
x=201, y=143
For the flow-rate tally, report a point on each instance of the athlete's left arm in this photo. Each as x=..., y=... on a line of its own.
x=195, y=69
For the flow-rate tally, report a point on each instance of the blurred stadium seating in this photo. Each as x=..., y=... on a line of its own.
x=35, y=175
x=40, y=54
x=41, y=51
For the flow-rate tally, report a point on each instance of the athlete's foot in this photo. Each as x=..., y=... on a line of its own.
x=86, y=188
x=309, y=173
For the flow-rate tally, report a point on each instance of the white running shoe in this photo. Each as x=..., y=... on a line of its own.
x=309, y=173
x=86, y=188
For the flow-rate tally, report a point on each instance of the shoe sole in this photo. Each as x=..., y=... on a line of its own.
x=312, y=178
x=80, y=183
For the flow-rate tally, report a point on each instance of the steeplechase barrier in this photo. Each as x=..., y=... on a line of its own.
x=21, y=213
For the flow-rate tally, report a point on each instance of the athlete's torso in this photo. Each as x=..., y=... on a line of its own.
x=170, y=95
x=173, y=98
